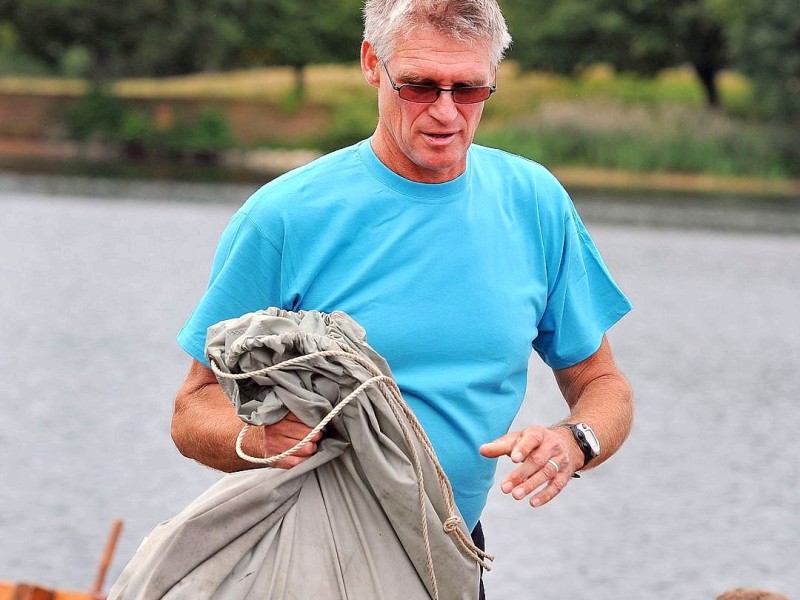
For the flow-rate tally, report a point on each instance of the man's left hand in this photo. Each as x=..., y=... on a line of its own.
x=546, y=459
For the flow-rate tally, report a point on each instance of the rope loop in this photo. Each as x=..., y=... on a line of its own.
x=451, y=524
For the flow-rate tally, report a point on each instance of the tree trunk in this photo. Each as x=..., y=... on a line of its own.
x=299, y=81
x=708, y=79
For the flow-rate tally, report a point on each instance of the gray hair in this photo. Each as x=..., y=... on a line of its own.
x=464, y=20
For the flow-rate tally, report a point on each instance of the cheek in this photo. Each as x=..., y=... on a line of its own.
x=408, y=120
x=396, y=115
x=473, y=117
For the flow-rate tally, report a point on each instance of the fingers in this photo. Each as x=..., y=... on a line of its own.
x=289, y=462
x=544, y=482
x=544, y=463
x=287, y=432
x=502, y=446
x=282, y=436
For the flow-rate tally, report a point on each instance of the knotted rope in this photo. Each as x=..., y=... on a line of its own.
x=400, y=409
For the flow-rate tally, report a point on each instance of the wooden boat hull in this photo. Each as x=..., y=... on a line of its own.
x=26, y=591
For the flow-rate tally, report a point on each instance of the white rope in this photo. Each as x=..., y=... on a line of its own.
x=400, y=409
x=270, y=460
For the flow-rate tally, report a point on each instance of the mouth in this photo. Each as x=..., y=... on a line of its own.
x=440, y=136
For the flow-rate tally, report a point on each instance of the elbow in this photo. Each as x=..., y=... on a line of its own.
x=178, y=429
x=626, y=404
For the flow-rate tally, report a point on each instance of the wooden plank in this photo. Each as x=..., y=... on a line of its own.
x=66, y=595
x=27, y=591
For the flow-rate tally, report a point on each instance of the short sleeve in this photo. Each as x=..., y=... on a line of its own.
x=245, y=277
x=583, y=299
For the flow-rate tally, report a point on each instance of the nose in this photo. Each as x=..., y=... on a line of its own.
x=444, y=109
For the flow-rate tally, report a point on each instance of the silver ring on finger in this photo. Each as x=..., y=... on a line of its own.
x=555, y=465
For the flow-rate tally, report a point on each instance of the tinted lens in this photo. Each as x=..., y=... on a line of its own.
x=471, y=95
x=428, y=93
x=418, y=93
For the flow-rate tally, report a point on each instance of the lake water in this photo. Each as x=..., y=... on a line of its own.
x=98, y=275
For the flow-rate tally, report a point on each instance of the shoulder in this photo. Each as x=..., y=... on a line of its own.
x=310, y=181
x=496, y=158
x=521, y=179
x=514, y=170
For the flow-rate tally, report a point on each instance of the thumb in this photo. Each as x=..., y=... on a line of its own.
x=500, y=447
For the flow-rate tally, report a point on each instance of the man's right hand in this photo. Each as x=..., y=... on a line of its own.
x=205, y=427
x=276, y=438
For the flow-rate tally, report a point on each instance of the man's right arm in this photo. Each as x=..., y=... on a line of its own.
x=205, y=426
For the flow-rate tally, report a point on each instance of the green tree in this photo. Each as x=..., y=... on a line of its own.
x=146, y=37
x=12, y=58
x=165, y=37
x=700, y=40
x=643, y=36
x=765, y=44
x=297, y=34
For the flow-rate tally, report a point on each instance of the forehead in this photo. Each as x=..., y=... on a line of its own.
x=428, y=55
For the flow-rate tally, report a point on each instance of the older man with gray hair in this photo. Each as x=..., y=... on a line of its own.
x=457, y=259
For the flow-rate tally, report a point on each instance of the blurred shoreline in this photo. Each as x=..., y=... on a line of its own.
x=45, y=156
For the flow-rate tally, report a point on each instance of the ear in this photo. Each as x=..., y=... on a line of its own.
x=369, y=64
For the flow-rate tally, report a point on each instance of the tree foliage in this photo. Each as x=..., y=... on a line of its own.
x=643, y=36
x=293, y=33
x=104, y=40
x=146, y=37
x=165, y=37
x=765, y=44
x=288, y=32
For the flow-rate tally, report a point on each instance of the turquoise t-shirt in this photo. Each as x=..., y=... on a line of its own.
x=454, y=283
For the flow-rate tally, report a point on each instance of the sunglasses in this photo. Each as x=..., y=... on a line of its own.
x=428, y=94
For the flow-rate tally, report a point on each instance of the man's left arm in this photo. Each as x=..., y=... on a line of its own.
x=598, y=394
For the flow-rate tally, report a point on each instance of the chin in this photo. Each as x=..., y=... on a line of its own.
x=444, y=163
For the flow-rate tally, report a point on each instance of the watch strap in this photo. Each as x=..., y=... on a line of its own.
x=580, y=439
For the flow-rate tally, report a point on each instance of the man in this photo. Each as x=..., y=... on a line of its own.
x=455, y=258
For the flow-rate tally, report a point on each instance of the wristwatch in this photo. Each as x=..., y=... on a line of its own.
x=586, y=439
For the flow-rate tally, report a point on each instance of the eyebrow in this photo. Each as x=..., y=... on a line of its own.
x=411, y=79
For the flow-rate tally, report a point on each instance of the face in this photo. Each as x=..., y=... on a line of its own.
x=427, y=142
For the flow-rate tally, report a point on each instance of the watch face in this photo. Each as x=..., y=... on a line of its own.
x=590, y=438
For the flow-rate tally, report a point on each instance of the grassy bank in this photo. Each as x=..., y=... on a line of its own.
x=599, y=121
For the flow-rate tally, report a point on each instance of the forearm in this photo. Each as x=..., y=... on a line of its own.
x=606, y=404
x=598, y=394
x=205, y=427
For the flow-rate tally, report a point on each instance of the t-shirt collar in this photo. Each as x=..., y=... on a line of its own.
x=429, y=192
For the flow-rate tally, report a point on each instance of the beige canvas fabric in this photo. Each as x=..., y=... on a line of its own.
x=369, y=516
